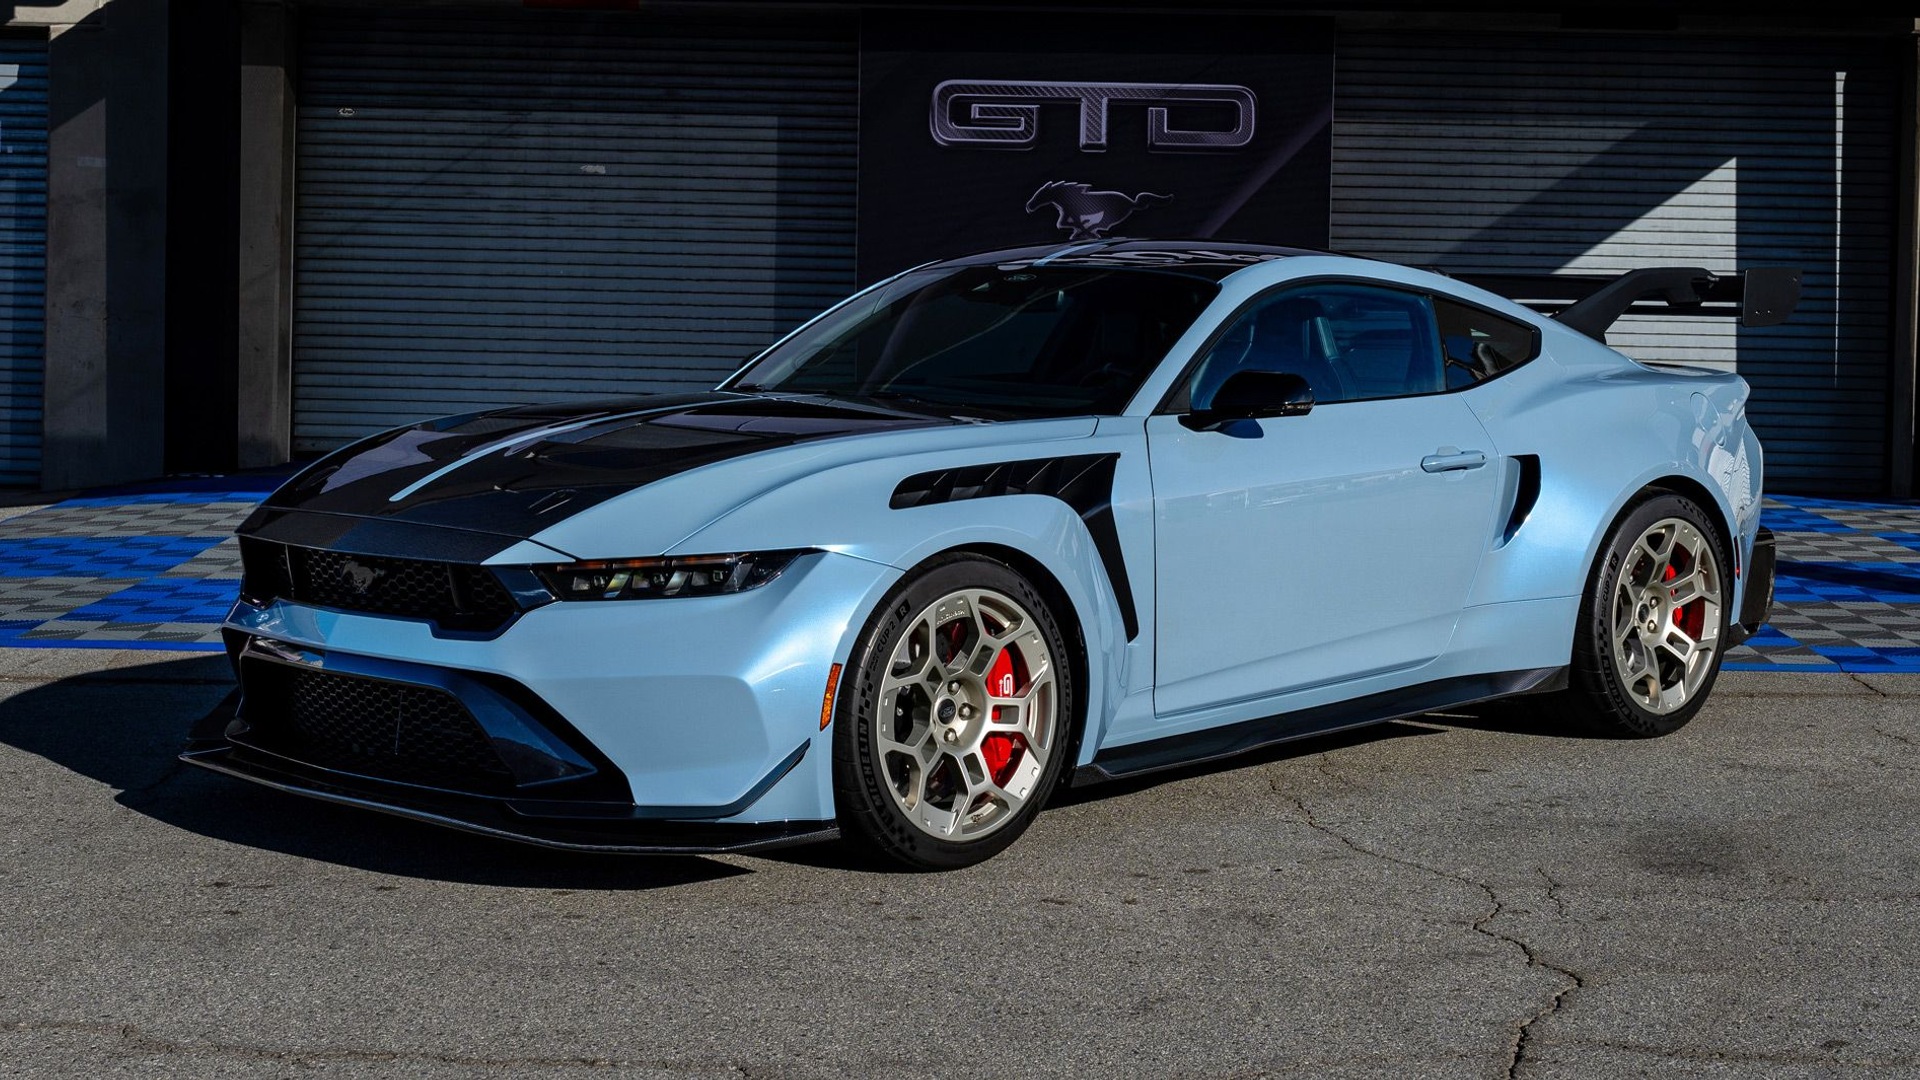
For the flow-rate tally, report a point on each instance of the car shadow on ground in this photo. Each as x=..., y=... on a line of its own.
x=1516, y=716
x=124, y=728
x=1528, y=714
x=1084, y=791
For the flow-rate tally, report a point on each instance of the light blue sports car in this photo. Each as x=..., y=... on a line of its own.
x=1001, y=523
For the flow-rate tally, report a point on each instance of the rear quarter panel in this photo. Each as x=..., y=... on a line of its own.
x=1605, y=428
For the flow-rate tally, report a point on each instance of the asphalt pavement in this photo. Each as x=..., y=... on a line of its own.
x=1468, y=895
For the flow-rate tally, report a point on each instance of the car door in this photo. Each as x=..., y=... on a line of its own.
x=1304, y=550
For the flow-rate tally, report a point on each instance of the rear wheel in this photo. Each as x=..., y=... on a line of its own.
x=1653, y=621
x=955, y=726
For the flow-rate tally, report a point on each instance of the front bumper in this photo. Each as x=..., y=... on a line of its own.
x=655, y=725
x=1756, y=603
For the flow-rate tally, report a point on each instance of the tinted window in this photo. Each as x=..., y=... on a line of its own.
x=1480, y=344
x=1350, y=342
x=1028, y=341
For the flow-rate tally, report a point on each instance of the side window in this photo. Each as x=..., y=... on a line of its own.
x=1350, y=342
x=1480, y=344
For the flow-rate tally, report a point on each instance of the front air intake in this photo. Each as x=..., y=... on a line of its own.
x=369, y=727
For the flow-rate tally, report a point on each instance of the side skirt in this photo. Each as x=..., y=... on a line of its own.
x=1212, y=744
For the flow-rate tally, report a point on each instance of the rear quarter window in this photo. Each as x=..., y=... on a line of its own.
x=1480, y=344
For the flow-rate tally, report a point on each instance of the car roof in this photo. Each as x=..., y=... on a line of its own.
x=1207, y=258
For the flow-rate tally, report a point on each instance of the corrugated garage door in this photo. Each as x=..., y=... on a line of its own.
x=512, y=207
x=1583, y=154
x=23, y=256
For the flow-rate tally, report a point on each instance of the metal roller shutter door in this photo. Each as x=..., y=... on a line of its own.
x=496, y=208
x=23, y=257
x=1581, y=154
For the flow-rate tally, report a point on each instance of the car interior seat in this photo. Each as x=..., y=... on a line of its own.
x=1294, y=335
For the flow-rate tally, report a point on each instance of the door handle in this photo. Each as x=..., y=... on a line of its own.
x=1449, y=459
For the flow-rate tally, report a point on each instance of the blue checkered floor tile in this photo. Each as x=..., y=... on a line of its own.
x=1847, y=590
x=149, y=567
x=157, y=567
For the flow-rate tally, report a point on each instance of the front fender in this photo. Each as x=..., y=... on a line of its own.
x=849, y=510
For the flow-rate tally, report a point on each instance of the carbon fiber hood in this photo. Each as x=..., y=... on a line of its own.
x=515, y=472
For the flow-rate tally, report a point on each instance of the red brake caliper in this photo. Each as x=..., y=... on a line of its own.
x=1007, y=678
x=1693, y=616
x=954, y=635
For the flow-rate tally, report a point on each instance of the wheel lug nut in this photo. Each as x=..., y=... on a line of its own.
x=951, y=735
x=966, y=712
x=953, y=687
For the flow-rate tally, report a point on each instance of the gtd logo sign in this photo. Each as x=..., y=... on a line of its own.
x=1006, y=114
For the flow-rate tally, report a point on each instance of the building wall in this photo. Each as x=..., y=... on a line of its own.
x=106, y=240
x=172, y=275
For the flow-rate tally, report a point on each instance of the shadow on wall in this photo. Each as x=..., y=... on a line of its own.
x=1604, y=152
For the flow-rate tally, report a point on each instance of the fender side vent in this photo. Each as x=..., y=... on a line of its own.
x=1526, y=493
x=1083, y=482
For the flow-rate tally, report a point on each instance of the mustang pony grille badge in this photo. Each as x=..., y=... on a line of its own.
x=1089, y=214
x=358, y=577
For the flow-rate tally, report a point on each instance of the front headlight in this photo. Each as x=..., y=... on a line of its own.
x=677, y=575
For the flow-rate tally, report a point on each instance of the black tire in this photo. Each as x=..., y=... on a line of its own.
x=1622, y=623
x=891, y=715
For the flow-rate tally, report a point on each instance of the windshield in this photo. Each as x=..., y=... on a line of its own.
x=1031, y=341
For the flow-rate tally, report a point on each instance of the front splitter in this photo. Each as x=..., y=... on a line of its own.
x=596, y=827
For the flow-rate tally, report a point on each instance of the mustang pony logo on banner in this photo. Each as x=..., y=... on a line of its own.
x=1087, y=214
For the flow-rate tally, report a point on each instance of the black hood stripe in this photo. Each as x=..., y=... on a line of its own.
x=517, y=472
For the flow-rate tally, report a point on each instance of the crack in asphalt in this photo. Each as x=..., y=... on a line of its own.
x=1553, y=891
x=1326, y=770
x=134, y=1040
x=1854, y=677
x=1892, y=735
x=1522, y=1038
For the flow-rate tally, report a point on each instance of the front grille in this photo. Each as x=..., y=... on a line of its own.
x=457, y=596
x=372, y=727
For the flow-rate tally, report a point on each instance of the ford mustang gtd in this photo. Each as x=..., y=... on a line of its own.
x=1000, y=523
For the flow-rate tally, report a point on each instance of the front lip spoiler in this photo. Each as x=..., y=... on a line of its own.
x=586, y=827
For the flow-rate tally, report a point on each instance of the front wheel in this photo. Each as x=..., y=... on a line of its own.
x=954, y=728
x=1653, y=621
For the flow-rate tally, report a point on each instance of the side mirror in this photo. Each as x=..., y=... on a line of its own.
x=1251, y=395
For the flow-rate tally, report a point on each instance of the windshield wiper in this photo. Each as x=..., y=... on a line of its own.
x=942, y=408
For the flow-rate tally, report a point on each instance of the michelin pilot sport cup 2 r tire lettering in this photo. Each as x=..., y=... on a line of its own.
x=958, y=717
x=1653, y=621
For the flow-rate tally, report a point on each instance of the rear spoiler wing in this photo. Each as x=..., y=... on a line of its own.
x=1760, y=296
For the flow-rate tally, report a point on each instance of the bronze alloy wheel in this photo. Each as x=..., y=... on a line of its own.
x=957, y=726
x=1653, y=622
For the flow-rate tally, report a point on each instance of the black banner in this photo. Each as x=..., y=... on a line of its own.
x=981, y=130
